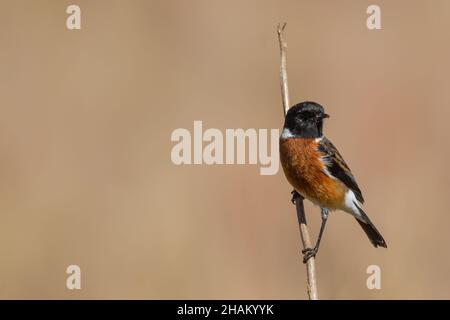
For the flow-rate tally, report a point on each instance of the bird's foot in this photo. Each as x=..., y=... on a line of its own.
x=308, y=253
x=295, y=196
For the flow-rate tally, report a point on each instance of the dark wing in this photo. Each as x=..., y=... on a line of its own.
x=338, y=168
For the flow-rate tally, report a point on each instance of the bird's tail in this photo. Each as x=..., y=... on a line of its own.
x=374, y=235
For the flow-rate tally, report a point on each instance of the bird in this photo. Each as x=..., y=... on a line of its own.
x=317, y=171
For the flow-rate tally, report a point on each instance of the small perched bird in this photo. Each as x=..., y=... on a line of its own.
x=317, y=171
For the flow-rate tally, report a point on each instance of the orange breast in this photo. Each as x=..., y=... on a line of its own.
x=304, y=170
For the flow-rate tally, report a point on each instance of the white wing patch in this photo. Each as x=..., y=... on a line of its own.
x=326, y=160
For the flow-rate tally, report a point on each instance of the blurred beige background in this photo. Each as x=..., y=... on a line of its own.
x=85, y=170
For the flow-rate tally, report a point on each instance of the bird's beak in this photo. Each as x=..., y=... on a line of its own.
x=324, y=116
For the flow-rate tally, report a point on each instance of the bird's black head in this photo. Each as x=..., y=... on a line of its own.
x=304, y=120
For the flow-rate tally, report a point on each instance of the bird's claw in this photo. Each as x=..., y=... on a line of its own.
x=295, y=195
x=308, y=253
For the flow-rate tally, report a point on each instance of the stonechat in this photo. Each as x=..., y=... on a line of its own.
x=316, y=170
